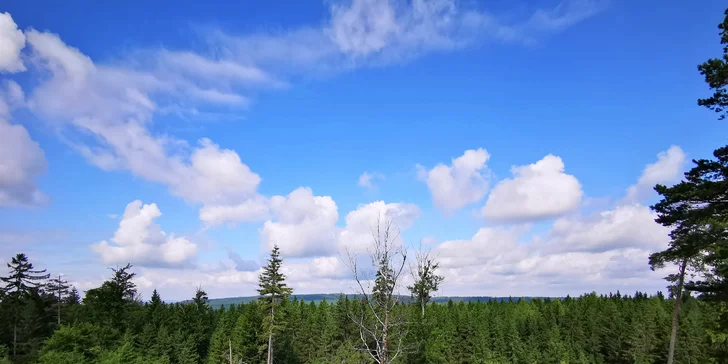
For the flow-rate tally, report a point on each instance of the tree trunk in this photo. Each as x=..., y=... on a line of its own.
x=230, y=345
x=59, y=300
x=270, y=336
x=15, y=337
x=422, y=305
x=676, y=312
x=385, y=330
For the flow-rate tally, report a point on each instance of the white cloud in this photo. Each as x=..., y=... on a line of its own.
x=22, y=161
x=367, y=179
x=215, y=175
x=493, y=246
x=252, y=210
x=463, y=182
x=304, y=224
x=115, y=105
x=181, y=284
x=11, y=97
x=564, y=15
x=379, y=32
x=364, y=26
x=393, y=30
x=605, y=251
x=12, y=42
x=195, y=65
x=537, y=191
x=327, y=267
x=666, y=169
x=105, y=111
x=626, y=226
x=574, y=259
x=362, y=222
x=140, y=241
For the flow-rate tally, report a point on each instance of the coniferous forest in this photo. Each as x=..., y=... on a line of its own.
x=110, y=325
x=45, y=320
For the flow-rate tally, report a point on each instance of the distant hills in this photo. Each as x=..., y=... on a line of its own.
x=333, y=297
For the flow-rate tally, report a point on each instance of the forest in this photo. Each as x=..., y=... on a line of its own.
x=45, y=320
x=109, y=326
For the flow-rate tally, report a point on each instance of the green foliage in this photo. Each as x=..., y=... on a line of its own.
x=61, y=357
x=426, y=280
x=273, y=292
x=589, y=329
x=715, y=71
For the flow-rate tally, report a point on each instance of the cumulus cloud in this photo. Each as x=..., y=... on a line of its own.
x=362, y=222
x=666, y=169
x=367, y=179
x=22, y=161
x=626, y=226
x=604, y=251
x=495, y=246
x=463, y=182
x=250, y=210
x=140, y=241
x=514, y=261
x=537, y=191
x=326, y=267
x=12, y=42
x=304, y=224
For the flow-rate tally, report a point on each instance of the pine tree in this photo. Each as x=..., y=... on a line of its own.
x=272, y=290
x=697, y=212
x=715, y=71
x=21, y=281
x=59, y=288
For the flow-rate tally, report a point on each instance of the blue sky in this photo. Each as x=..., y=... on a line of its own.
x=304, y=98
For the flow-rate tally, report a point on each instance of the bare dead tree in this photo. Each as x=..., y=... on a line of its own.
x=381, y=328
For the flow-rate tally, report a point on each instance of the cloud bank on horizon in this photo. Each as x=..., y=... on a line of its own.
x=533, y=235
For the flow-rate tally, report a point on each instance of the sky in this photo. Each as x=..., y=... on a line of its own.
x=518, y=141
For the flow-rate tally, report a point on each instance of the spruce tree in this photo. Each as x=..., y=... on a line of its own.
x=155, y=301
x=200, y=300
x=73, y=298
x=272, y=290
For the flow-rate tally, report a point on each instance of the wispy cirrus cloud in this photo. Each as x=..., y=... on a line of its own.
x=380, y=32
